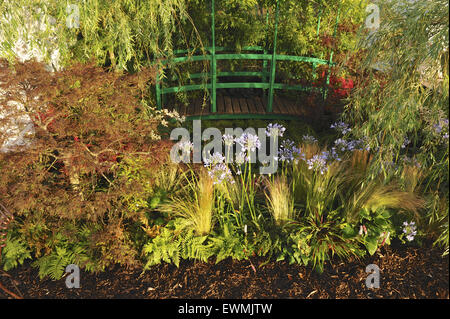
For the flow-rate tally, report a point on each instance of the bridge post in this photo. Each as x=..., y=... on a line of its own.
x=330, y=61
x=274, y=61
x=317, y=34
x=213, y=59
x=264, y=77
x=158, y=89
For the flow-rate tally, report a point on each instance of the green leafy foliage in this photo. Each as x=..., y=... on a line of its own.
x=54, y=265
x=125, y=34
x=228, y=245
x=176, y=242
x=404, y=71
x=378, y=229
x=14, y=253
x=162, y=248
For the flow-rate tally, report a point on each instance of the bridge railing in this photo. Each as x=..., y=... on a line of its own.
x=267, y=74
x=264, y=74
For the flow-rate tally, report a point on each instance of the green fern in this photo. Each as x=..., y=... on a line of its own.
x=228, y=246
x=162, y=248
x=14, y=253
x=174, y=243
x=54, y=265
x=193, y=247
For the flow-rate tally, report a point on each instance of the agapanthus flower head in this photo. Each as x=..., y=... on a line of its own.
x=275, y=130
x=220, y=173
x=186, y=146
x=333, y=154
x=249, y=142
x=388, y=166
x=341, y=144
x=409, y=229
x=216, y=158
x=405, y=142
x=241, y=158
x=288, y=152
x=437, y=128
x=309, y=139
x=341, y=127
x=228, y=140
x=318, y=163
x=411, y=161
x=441, y=130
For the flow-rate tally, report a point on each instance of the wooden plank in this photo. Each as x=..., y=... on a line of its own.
x=252, y=106
x=205, y=106
x=261, y=105
x=277, y=106
x=181, y=109
x=196, y=107
x=228, y=105
x=220, y=104
x=236, y=105
x=285, y=106
x=243, y=104
x=297, y=107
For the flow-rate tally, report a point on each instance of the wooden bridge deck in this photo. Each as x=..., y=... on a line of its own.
x=247, y=107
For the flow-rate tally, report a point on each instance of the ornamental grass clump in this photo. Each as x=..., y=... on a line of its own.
x=363, y=192
x=279, y=200
x=195, y=205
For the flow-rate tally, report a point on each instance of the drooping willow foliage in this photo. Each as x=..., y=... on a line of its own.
x=123, y=33
x=401, y=106
x=409, y=97
x=127, y=34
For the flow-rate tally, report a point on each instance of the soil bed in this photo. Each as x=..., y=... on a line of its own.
x=405, y=272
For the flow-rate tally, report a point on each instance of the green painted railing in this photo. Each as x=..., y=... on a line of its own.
x=267, y=74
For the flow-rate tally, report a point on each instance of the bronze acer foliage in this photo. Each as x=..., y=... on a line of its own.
x=90, y=126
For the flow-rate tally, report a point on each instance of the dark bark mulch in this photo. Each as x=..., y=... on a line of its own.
x=406, y=272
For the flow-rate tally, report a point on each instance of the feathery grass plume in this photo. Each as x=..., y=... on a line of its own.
x=196, y=204
x=279, y=200
x=325, y=240
x=310, y=149
x=360, y=162
x=411, y=177
x=373, y=195
x=364, y=191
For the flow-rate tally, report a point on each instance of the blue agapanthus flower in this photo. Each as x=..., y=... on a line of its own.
x=341, y=127
x=288, y=152
x=275, y=130
x=228, y=140
x=309, y=139
x=216, y=158
x=318, y=163
x=409, y=229
x=249, y=142
x=220, y=173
